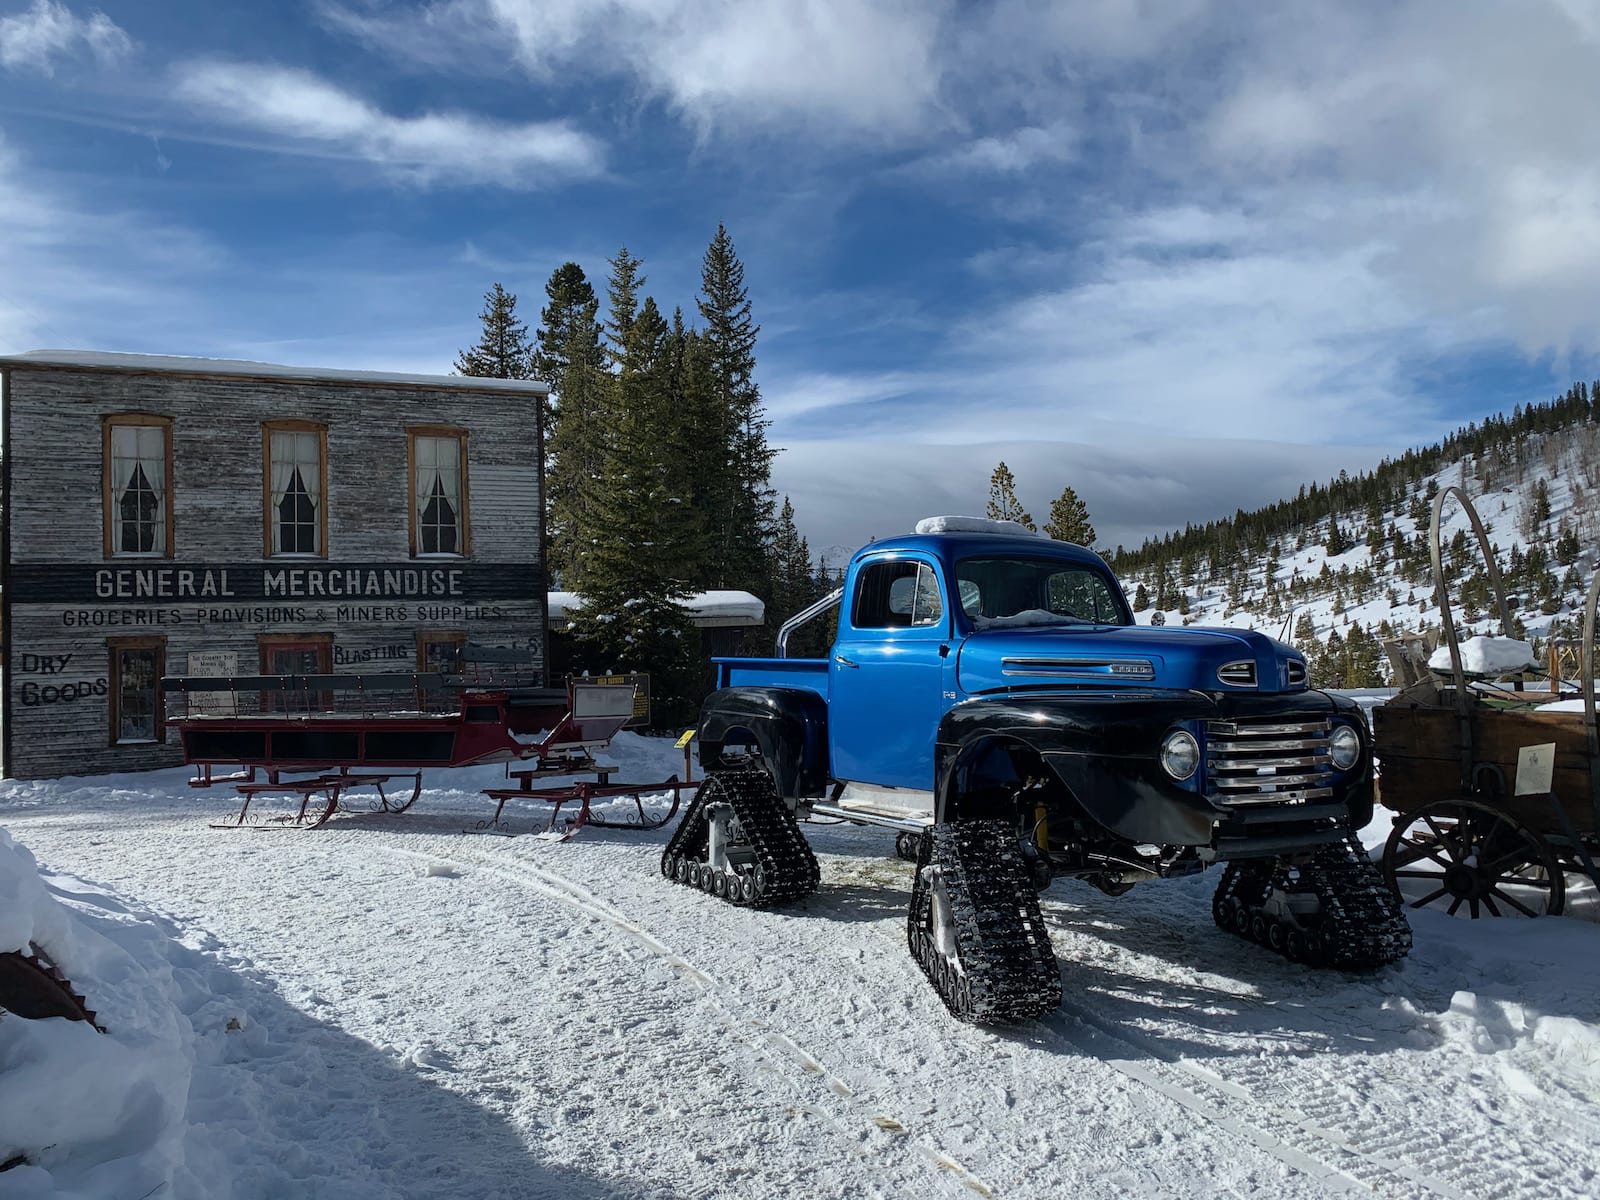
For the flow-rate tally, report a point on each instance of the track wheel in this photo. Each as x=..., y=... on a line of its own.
x=1474, y=859
x=975, y=927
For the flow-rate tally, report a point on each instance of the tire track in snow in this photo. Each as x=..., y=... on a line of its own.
x=753, y=1031
x=1274, y=1128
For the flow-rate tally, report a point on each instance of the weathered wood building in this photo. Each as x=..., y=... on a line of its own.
x=168, y=516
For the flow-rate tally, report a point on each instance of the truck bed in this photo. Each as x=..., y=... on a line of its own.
x=806, y=674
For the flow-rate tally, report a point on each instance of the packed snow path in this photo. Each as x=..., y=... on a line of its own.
x=424, y=1013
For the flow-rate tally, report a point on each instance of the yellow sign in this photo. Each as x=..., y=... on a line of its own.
x=688, y=736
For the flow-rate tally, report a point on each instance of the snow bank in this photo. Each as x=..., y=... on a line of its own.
x=92, y=1114
x=973, y=525
x=1486, y=656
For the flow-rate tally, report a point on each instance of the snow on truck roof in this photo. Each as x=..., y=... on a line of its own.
x=100, y=360
x=974, y=525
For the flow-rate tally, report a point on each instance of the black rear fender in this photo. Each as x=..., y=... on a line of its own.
x=788, y=727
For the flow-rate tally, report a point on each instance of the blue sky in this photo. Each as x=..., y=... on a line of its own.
x=1183, y=255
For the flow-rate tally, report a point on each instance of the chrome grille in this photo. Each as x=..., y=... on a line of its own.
x=1268, y=762
x=1238, y=674
x=1297, y=672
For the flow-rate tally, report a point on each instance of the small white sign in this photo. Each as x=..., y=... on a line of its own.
x=213, y=664
x=1536, y=766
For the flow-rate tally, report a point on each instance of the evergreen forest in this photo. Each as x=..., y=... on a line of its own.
x=657, y=466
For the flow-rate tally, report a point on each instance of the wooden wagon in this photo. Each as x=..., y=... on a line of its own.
x=1496, y=802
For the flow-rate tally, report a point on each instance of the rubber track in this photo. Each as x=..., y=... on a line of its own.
x=1360, y=923
x=788, y=867
x=1008, y=968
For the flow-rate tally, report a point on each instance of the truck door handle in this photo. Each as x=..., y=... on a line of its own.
x=844, y=662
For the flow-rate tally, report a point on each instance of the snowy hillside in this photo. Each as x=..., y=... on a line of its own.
x=389, y=1008
x=1367, y=572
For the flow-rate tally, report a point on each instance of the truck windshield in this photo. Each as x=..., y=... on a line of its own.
x=1037, y=591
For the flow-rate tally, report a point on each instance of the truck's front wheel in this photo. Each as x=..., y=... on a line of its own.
x=975, y=927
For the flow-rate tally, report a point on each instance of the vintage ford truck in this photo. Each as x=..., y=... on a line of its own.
x=990, y=699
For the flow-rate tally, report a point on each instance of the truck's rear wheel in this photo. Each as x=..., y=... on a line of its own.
x=975, y=927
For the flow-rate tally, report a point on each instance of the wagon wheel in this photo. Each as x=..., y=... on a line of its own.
x=1455, y=853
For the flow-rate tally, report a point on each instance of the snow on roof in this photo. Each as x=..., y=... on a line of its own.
x=100, y=360
x=705, y=608
x=973, y=525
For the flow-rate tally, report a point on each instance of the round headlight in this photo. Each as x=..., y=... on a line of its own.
x=1180, y=754
x=1344, y=747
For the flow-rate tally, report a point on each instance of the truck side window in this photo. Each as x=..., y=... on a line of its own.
x=895, y=595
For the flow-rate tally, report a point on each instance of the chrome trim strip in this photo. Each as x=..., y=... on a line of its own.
x=1287, y=799
x=1239, y=673
x=1267, y=783
x=1240, y=746
x=1235, y=728
x=1080, y=668
x=1255, y=766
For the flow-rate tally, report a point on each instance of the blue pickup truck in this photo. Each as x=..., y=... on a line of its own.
x=989, y=699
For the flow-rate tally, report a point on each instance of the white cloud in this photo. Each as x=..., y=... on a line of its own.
x=1011, y=153
x=309, y=113
x=847, y=491
x=32, y=40
x=868, y=66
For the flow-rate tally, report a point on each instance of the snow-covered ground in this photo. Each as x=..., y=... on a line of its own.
x=388, y=1007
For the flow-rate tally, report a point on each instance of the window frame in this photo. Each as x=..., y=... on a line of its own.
x=108, y=503
x=434, y=637
x=322, y=643
x=464, y=514
x=862, y=616
x=266, y=643
x=268, y=517
x=115, y=647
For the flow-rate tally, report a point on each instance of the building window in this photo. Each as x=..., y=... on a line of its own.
x=438, y=491
x=440, y=651
x=295, y=654
x=137, y=665
x=137, y=469
x=296, y=488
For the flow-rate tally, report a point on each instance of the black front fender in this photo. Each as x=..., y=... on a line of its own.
x=789, y=726
x=1104, y=746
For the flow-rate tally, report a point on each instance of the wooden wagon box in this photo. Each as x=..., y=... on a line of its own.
x=1419, y=758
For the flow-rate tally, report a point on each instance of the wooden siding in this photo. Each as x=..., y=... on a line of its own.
x=57, y=665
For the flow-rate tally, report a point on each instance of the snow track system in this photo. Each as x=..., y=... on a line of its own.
x=1334, y=910
x=32, y=986
x=739, y=841
x=975, y=926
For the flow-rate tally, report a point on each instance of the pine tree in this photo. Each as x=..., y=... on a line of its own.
x=740, y=498
x=1003, y=502
x=572, y=360
x=642, y=545
x=622, y=293
x=503, y=351
x=1141, y=598
x=1069, y=521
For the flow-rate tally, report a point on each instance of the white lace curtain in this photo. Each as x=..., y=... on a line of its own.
x=438, y=469
x=292, y=450
x=133, y=447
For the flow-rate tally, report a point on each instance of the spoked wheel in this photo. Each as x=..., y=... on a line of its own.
x=1466, y=855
